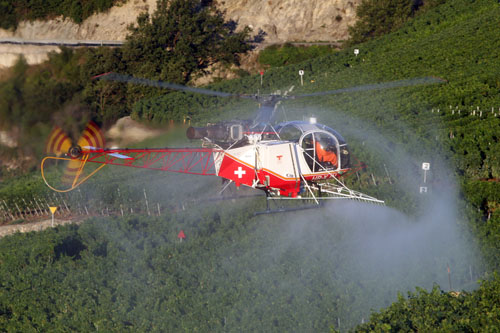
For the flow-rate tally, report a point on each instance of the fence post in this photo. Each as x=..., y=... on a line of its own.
x=30, y=211
x=45, y=203
x=66, y=206
x=41, y=210
x=34, y=206
x=147, y=204
x=4, y=215
x=79, y=208
x=387, y=173
x=8, y=210
x=19, y=210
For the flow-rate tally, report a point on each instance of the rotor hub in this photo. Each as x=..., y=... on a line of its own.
x=75, y=151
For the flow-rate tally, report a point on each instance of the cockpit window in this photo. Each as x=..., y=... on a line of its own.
x=334, y=132
x=324, y=148
x=308, y=146
x=320, y=151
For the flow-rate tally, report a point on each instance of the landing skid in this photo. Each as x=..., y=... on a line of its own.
x=317, y=193
x=282, y=209
x=235, y=197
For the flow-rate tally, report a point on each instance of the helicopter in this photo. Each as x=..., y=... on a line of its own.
x=292, y=160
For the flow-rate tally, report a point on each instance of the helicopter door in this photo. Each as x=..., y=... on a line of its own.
x=308, y=146
x=321, y=151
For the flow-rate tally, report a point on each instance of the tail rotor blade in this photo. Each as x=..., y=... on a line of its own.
x=58, y=142
x=92, y=136
x=71, y=172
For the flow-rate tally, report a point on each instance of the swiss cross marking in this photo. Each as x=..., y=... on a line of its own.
x=240, y=172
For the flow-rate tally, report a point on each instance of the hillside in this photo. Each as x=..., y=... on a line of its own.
x=320, y=270
x=281, y=20
x=108, y=25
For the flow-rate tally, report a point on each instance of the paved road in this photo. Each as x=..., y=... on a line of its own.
x=61, y=42
x=88, y=43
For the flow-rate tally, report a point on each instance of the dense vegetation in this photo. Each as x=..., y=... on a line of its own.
x=477, y=311
x=232, y=272
x=379, y=17
x=12, y=12
x=287, y=54
x=237, y=272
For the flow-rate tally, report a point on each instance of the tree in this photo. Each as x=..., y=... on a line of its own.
x=379, y=17
x=181, y=40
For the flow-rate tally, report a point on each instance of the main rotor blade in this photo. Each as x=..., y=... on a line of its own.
x=111, y=76
x=378, y=86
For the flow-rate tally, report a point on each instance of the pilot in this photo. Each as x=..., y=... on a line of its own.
x=325, y=152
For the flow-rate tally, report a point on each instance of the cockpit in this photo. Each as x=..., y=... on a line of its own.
x=323, y=147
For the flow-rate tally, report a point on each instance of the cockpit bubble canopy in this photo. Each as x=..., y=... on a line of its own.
x=324, y=148
x=294, y=130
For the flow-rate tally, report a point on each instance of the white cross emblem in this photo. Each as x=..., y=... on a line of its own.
x=240, y=172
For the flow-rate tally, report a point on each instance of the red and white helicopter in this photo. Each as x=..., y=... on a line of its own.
x=295, y=160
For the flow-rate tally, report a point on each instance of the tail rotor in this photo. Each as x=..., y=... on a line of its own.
x=60, y=146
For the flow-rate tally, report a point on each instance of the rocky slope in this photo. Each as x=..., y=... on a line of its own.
x=282, y=20
x=111, y=25
x=294, y=20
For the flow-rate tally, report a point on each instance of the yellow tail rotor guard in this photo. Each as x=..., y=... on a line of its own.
x=76, y=181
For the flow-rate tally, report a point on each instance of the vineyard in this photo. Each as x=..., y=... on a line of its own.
x=426, y=261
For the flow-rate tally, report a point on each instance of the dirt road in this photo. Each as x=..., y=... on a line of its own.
x=33, y=226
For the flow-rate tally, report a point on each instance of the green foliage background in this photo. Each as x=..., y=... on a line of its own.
x=287, y=54
x=133, y=274
x=438, y=311
x=380, y=17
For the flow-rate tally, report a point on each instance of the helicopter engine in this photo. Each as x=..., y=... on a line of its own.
x=221, y=133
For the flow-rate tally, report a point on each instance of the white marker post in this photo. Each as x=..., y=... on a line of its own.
x=53, y=211
x=356, y=52
x=426, y=167
x=261, y=75
x=301, y=73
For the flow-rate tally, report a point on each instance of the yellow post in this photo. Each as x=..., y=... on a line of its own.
x=52, y=210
